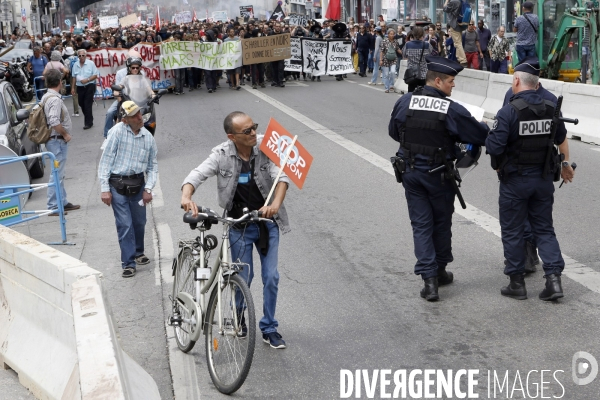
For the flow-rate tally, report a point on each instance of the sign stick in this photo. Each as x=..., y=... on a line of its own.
x=287, y=156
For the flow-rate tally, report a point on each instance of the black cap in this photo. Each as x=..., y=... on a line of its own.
x=443, y=65
x=530, y=66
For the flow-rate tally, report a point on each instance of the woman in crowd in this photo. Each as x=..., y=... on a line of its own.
x=376, y=52
x=415, y=52
x=389, y=51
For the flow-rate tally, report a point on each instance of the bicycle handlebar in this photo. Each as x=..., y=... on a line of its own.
x=205, y=212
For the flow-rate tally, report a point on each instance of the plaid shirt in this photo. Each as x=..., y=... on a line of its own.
x=128, y=154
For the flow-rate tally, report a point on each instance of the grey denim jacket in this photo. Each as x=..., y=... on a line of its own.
x=225, y=163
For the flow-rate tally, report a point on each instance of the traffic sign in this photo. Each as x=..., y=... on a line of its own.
x=23, y=14
x=5, y=7
x=45, y=19
x=6, y=17
x=68, y=22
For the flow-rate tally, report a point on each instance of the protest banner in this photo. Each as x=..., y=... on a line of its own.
x=109, y=61
x=339, y=57
x=204, y=55
x=294, y=63
x=246, y=12
x=266, y=48
x=314, y=56
x=297, y=20
x=131, y=19
x=183, y=17
x=111, y=21
x=279, y=143
x=219, y=16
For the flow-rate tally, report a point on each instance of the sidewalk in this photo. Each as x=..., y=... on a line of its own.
x=136, y=302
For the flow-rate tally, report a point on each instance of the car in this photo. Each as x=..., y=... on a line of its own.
x=23, y=44
x=16, y=54
x=13, y=129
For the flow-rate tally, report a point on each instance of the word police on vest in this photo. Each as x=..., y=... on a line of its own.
x=541, y=127
x=426, y=103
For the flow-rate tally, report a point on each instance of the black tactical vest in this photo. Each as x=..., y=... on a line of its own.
x=425, y=130
x=535, y=122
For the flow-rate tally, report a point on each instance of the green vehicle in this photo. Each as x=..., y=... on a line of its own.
x=561, y=37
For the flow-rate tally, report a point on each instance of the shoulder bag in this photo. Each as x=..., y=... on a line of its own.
x=411, y=75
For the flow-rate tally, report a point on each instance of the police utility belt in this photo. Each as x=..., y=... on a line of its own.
x=127, y=185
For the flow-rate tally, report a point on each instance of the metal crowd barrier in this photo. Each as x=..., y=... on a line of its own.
x=11, y=212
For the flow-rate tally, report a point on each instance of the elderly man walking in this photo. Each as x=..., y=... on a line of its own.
x=129, y=154
x=83, y=82
x=57, y=116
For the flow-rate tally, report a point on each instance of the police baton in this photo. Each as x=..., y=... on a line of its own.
x=573, y=165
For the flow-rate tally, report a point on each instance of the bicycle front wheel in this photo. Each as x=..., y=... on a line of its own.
x=184, y=282
x=230, y=337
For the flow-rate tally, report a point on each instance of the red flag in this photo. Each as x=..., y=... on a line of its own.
x=194, y=17
x=89, y=19
x=157, y=19
x=333, y=10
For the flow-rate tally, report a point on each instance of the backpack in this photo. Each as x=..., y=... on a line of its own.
x=38, y=130
x=390, y=54
x=464, y=16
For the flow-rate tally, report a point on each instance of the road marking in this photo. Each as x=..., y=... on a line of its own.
x=372, y=87
x=595, y=148
x=157, y=200
x=348, y=80
x=573, y=269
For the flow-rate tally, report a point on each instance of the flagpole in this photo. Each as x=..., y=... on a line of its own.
x=287, y=156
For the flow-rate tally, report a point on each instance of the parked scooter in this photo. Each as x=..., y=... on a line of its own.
x=16, y=73
x=138, y=89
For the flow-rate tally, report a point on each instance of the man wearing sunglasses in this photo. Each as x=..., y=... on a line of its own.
x=245, y=176
x=83, y=81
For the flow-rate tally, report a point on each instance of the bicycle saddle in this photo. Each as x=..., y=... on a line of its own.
x=188, y=219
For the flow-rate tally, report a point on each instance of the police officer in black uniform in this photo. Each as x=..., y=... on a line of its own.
x=531, y=256
x=526, y=163
x=428, y=125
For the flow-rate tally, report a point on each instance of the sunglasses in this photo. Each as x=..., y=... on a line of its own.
x=80, y=55
x=135, y=67
x=249, y=130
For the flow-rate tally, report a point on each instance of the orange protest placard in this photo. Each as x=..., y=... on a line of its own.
x=275, y=145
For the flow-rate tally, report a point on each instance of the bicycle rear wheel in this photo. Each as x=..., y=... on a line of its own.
x=184, y=282
x=230, y=348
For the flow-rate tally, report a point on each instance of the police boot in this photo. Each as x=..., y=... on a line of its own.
x=531, y=258
x=444, y=277
x=430, y=291
x=516, y=288
x=553, y=288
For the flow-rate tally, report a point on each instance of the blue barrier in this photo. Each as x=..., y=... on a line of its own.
x=12, y=215
x=36, y=90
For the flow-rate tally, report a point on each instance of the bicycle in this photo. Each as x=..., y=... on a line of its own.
x=227, y=320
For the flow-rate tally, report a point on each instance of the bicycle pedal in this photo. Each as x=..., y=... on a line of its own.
x=174, y=321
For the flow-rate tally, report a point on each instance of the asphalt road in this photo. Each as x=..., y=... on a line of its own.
x=348, y=297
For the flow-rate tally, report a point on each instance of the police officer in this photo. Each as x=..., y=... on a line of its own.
x=531, y=256
x=518, y=144
x=428, y=125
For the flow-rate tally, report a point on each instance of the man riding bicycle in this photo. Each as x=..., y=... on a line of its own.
x=245, y=176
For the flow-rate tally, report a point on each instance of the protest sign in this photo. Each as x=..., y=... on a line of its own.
x=131, y=19
x=184, y=17
x=339, y=57
x=219, y=16
x=204, y=55
x=314, y=56
x=111, y=21
x=294, y=63
x=246, y=12
x=275, y=145
x=109, y=61
x=297, y=20
x=266, y=48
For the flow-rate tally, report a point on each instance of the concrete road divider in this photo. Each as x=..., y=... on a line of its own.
x=55, y=327
x=498, y=84
x=471, y=86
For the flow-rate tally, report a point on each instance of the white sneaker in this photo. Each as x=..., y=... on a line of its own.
x=75, y=115
x=103, y=144
x=369, y=83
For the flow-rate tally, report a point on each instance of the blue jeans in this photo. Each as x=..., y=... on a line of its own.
x=241, y=247
x=375, y=75
x=59, y=148
x=130, y=219
x=388, y=77
x=110, y=117
x=526, y=51
x=370, y=60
